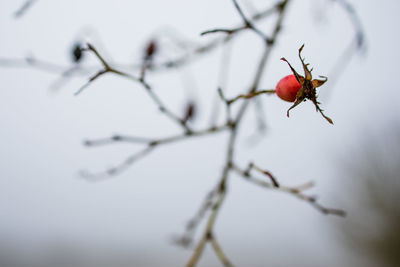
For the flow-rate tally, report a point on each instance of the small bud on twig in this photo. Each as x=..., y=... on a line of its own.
x=151, y=49
x=190, y=111
x=76, y=52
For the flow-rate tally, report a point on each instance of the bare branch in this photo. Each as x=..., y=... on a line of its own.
x=227, y=31
x=295, y=191
x=231, y=148
x=209, y=47
x=117, y=139
x=251, y=95
x=151, y=144
x=155, y=141
x=218, y=251
x=211, y=219
x=227, y=105
x=32, y=62
x=186, y=239
x=360, y=35
x=264, y=172
x=108, y=69
x=169, y=64
x=117, y=169
x=248, y=23
x=91, y=79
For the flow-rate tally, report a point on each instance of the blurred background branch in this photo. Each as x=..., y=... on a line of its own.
x=24, y=8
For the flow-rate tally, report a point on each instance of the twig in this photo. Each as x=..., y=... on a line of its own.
x=218, y=251
x=358, y=43
x=228, y=31
x=187, y=237
x=227, y=105
x=180, y=61
x=231, y=146
x=262, y=171
x=117, y=169
x=250, y=95
x=155, y=141
x=211, y=219
x=118, y=139
x=64, y=77
x=108, y=69
x=223, y=73
x=168, y=64
x=295, y=191
x=29, y=62
x=248, y=24
x=91, y=79
x=261, y=123
x=24, y=8
x=360, y=36
x=150, y=145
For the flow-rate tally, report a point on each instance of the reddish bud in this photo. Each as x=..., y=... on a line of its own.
x=190, y=111
x=151, y=49
x=287, y=88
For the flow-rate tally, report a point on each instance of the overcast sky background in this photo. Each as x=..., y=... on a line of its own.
x=44, y=203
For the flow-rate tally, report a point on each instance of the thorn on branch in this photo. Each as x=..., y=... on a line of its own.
x=252, y=166
x=295, y=191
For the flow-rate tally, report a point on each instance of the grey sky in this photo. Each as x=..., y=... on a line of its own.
x=43, y=200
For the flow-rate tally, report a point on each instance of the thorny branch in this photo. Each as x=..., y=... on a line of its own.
x=295, y=191
x=211, y=206
x=216, y=197
x=108, y=69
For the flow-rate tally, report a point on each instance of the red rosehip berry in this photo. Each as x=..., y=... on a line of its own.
x=287, y=88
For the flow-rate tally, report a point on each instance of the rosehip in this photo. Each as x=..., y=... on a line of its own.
x=287, y=88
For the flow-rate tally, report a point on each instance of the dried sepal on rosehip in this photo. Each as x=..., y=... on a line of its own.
x=307, y=88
